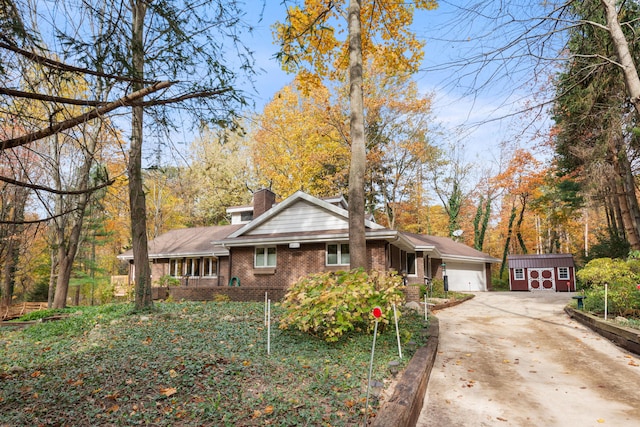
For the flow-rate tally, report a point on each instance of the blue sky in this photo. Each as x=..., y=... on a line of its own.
x=474, y=104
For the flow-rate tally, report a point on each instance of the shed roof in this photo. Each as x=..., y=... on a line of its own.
x=540, y=261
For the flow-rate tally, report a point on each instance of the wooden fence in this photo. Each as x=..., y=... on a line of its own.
x=14, y=311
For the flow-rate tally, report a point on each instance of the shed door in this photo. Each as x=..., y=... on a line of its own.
x=541, y=279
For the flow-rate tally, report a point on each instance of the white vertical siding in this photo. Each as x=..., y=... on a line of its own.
x=301, y=217
x=466, y=277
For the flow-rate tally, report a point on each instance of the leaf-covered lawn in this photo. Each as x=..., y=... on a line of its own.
x=187, y=364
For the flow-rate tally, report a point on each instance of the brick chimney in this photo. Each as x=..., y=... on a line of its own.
x=263, y=200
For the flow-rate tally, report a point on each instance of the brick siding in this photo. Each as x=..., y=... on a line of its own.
x=208, y=293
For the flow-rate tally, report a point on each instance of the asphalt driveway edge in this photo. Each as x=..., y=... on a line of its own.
x=405, y=404
x=627, y=338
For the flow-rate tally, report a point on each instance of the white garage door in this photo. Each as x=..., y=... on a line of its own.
x=466, y=277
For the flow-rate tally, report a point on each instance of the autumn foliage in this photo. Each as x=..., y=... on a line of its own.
x=329, y=305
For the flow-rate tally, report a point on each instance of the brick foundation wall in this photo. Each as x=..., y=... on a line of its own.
x=234, y=293
x=412, y=293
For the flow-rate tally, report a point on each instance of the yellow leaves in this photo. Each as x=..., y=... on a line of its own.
x=316, y=35
x=297, y=146
x=168, y=391
x=268, y=410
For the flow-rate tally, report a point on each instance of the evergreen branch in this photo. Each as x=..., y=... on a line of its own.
x=59, y=127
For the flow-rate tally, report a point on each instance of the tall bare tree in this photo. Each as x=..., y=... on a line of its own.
x=131, y=45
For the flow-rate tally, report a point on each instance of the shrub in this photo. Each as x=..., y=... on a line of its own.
x=168, y=280
x=599, y=271
x=436, y=290
x=620, y=276
x=329, y=305
x=221, y=298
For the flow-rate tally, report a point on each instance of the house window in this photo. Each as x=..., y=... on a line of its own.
x=210, y=267
x=246, y=216
x=175, y=267
x=518, y=273
x=338, y=254
x=427, y=266
x=192, y=267
x=411, y=263
x=563, y=273
x=265, y=257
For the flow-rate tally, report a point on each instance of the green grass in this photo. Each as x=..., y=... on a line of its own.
x=187, y=364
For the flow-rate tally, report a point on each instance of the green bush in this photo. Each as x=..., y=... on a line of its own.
x=329, y=305
x=599, y=271
x=621, y=277
x=168, y=280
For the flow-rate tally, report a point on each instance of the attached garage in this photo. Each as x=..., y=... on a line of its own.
x=466, y=277
x=543, y=272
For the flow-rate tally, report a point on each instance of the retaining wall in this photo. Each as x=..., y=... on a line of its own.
x=627, y=338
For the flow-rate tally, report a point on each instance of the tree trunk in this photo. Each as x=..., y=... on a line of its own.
x=624, y=195
x=137, y=201
x=15, y=199
x=62, y=283
x=357, y=238
x=631, y=79
x=523, y=202
x=481, y=223
x=53, y=274
x=68, y=247
x=507, y=241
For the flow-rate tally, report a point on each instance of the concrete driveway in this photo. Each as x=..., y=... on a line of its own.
x=516, y=359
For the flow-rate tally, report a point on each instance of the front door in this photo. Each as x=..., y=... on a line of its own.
x=541, y=279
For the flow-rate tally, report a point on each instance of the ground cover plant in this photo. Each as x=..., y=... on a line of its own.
x=436, y=290
x=187, y=364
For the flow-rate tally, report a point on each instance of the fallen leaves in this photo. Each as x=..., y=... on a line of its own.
x=268, y=410
x=168, y=391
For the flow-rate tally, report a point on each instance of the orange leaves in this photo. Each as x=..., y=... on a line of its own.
x=168, y=391
x=268, y=410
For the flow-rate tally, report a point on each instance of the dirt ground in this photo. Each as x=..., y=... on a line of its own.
x=516, y=359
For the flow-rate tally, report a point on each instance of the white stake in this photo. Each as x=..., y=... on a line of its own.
x=373, y=349
x=606, y=291
x=395, y=317
x=269, y=327
x=426, y=308
x=265, y=309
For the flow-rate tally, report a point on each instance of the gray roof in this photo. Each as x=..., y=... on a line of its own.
x=540, y=261
x=448, y=248
x=197, y=241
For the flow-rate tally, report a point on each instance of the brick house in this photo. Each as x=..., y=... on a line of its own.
x=270, y=245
